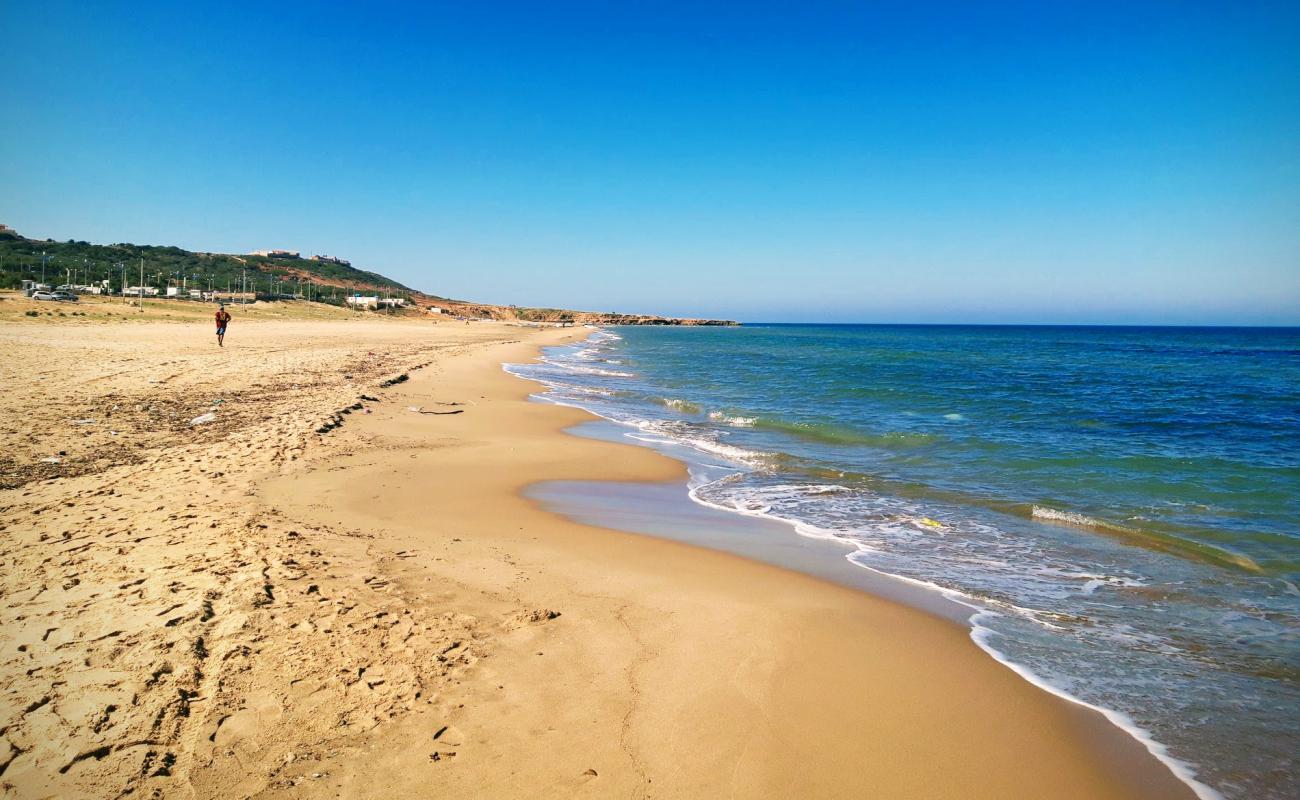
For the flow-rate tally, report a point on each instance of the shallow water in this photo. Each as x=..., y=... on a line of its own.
x=1120, y=504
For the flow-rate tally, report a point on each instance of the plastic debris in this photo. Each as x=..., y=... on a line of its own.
x=203, y=418
x=83, y=422
x=52, y=460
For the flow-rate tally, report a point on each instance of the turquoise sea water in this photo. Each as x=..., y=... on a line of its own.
x=1120, y=507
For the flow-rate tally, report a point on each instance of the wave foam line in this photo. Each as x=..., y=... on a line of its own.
x=1182, y=770
x=980, y=635
x=1179, y=546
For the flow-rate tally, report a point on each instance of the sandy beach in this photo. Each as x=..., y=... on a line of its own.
x=336, y=588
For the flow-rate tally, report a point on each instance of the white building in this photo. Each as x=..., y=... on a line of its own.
x=343, y=262
x=276, y=253
x=363, y=301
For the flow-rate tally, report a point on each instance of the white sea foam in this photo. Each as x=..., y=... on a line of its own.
x=583, y=370
x=981, y=633
x=664, y=435
x=678, y=404
x=1184, y=771
x=735, y=422
x=828, y=489
x=1067, y=517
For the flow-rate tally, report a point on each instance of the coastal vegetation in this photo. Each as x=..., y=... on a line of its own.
x=84, y=263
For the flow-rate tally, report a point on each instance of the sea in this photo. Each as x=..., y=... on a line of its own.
x=1117, y=507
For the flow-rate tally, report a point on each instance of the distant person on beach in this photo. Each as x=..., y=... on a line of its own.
x=223, y=319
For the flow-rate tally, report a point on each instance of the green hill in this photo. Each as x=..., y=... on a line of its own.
x=83, y=263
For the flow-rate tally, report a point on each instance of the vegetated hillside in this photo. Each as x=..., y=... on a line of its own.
x=84, y=263
x=325, y=281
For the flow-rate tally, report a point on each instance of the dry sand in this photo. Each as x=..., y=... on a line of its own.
x=322, y=595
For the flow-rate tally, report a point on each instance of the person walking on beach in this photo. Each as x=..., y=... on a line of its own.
x=223, y=319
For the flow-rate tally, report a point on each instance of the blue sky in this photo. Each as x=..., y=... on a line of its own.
x=883, y=162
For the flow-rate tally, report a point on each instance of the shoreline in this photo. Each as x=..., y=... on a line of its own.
x=637, y=422
x=1123, y=767
x=377, y=609
x=922, y=596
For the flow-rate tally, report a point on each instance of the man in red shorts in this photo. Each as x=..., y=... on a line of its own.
x=223, y=319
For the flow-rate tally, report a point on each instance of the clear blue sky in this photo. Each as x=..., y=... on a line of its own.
x=891, y=162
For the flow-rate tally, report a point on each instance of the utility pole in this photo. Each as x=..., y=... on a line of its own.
x=141, y=286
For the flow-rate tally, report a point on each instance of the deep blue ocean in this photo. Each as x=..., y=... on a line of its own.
x=1119, y=506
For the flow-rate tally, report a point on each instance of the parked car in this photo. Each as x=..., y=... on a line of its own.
x=67, y=297
x=43, y=296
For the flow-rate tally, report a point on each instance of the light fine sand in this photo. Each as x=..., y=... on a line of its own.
x=322, y=593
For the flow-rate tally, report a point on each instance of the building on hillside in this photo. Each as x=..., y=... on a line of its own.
x=136, y=291
x=434, y=310
x=362, y=301
x=276, y=253
x=342, y=262
x=229, y=297
x=392, y=302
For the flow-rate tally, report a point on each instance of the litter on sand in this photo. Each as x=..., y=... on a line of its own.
x=202, y=418
x=420, y=410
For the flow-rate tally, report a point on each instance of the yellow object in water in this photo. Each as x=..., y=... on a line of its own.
x=930, y=523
